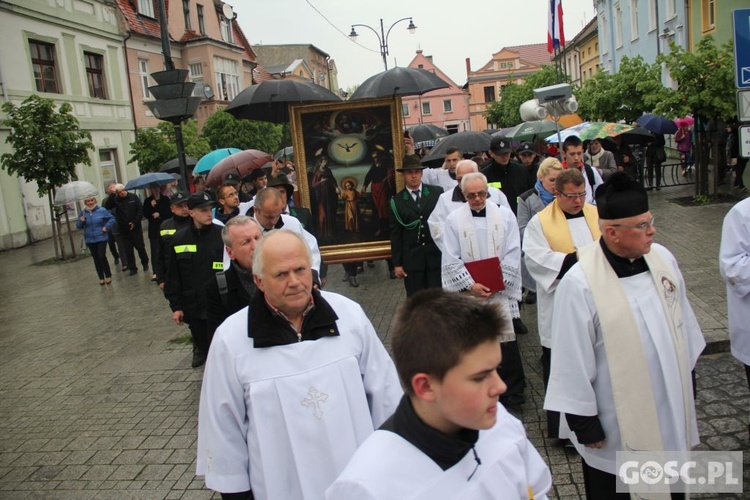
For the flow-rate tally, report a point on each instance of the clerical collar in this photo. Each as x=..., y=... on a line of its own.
x=624, y=267
x=481, y=213
x=573, y=216
x=446, y=451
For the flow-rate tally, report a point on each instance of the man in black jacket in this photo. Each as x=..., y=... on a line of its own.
x=156, y=211
x=415, y=255
x=129, y=212
x=231, y=290
x=508, y=176
x=180, y=218
x=197, y=254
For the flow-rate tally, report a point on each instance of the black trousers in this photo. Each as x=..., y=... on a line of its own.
x=602, y=485
x=113, y=246
x=553, y=417
x=511, y=368
x=420, y=280
x=133, y=240
x=739, y=171
x=154, y=248
x=653, y=167
x=199, y=335
x=99, y=253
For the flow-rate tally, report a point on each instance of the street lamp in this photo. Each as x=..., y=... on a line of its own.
x=383, y=35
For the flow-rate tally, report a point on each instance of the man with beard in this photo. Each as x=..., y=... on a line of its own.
x=229, y=203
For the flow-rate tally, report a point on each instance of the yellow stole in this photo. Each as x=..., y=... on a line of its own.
x=556, y=230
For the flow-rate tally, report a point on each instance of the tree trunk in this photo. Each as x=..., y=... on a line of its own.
x=58, y=226
x=701, y=157
x=54, y=227
x=70, y=235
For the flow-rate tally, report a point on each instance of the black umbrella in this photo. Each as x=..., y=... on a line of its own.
x=638, y=135
x=399, y=81
x=468, y=142
x=426, y=135
x=174, y=164
x=269, y=101
x=657, y=124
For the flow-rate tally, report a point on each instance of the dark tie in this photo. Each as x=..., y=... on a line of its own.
x=417, y=196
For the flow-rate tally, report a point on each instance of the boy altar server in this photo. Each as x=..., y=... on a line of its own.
x=449, y=437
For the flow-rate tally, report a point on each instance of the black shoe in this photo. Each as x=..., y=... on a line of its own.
x=124, y=268
x=512, y=400
x=145, y=267
x=360, y=270
x=530, y=298
x=370, y=264
x=393, y=274
x=134, y=271
x=346, y=277
x=518, y=327
x=353, y=281
x=117, y=260
x=198, y=359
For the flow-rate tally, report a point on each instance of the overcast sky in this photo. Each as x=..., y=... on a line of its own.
x=448, y=31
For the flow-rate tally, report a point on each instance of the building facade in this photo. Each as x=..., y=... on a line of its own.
x=284, y=57
x=711, y=17
x=447, y=108
x=205, y=39
x=579, y=58
x=509, y=65
x=69, y=52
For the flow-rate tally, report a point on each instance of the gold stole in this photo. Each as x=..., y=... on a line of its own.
x=557, y=231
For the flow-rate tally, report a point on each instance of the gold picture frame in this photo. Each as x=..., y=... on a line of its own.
x=346, y=155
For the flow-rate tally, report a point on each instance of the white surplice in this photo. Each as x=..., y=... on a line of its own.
x=287, y=419
x=439, y=177
x=734, y=264
x=580, y=383
x=446, y=205
x=544, y=265
x=388, y=467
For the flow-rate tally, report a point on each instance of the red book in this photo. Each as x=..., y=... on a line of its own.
x=487, y=272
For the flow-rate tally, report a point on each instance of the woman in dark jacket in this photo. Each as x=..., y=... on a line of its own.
x=96, y=223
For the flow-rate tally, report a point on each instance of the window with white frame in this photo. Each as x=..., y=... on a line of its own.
x=618, y=25
x=143, y=75
x=95, y=74
x=44, y=64
x=201, y=20
x=426, y=110
x=448, y=105
x=196, y=76
x=604, y=33
x=227, y=78
x=633, y=19
x=146, y=7
x=671, y=9
x=651, y=15
x=186, y=14
x=405, y=109
x=225, y=26
x=708, y=15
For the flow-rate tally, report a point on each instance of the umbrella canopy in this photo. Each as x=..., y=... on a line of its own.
x=468, y=142
x=287, y=151
x=145, y=180
x=269, y=101
x=638, y=135
x=587, y=131
x=174, y=164
x=501, y=132
x=685, y=121
x=424, y=133
x=528, y=131
x=241, y=163
x=399, y=81
x=657, y=124
x=208, y=161
x=74, y=191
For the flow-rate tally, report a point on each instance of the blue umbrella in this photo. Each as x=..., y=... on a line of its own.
x=145, y=180
x=207, y=162
x=657, y=124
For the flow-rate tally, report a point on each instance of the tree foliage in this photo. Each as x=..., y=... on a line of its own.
x=47, y=144
x=635, y=89
x=505, y=111
x=222, y=130
x=155, y=146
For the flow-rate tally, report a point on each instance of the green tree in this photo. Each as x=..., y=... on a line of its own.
x=155, y=146
x=222, y=130
x=47, y=146
x=705, y=88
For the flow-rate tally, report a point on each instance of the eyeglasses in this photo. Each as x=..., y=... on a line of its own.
x=642, y=226
x=573, y=196
x=474, y=196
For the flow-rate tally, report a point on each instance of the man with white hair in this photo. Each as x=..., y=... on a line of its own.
x=453, y=199
x=294, y=383
x=480, y=231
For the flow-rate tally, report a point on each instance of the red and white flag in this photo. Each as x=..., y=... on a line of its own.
x=555, y=34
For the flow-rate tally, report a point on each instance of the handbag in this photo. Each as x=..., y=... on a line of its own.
x=661, y=155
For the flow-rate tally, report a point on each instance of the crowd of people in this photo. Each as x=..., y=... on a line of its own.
x=300, y=399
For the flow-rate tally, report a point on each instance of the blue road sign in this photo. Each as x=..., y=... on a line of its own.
x=741, y=19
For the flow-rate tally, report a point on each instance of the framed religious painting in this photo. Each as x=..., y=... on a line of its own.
x=346, y=158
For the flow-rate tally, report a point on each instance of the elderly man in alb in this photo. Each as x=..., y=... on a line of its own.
x=550, y=244
x=734, y=264
x=625, y=341
x=477, y=231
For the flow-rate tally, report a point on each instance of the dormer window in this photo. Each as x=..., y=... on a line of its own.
x=226, y=29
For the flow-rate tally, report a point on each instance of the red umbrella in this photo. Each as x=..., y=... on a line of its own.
x=241, y=163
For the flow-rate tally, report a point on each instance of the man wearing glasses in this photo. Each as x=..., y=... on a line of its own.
x=550, y=245
x=229, y=203
x=625, y=341
x=477, y=231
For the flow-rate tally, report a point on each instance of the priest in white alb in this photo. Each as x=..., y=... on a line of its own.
x=477, y=231
x=734, y=264
x=551, y=240
x=624, y=342
x=293, y=384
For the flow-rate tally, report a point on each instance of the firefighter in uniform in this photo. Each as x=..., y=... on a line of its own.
x=167, y=230
x=196, y=256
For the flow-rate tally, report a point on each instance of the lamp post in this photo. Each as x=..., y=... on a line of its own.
x=383, y=35
x=173, y=101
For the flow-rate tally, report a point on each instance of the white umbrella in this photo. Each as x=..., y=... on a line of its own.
x=74, y=191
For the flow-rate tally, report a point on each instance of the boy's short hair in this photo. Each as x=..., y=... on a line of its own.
x=433, y=329
x=571, y=140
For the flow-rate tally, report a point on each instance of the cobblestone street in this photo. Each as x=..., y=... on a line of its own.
x=98, y=400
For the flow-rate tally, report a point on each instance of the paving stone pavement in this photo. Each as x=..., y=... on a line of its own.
x=97, y=401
